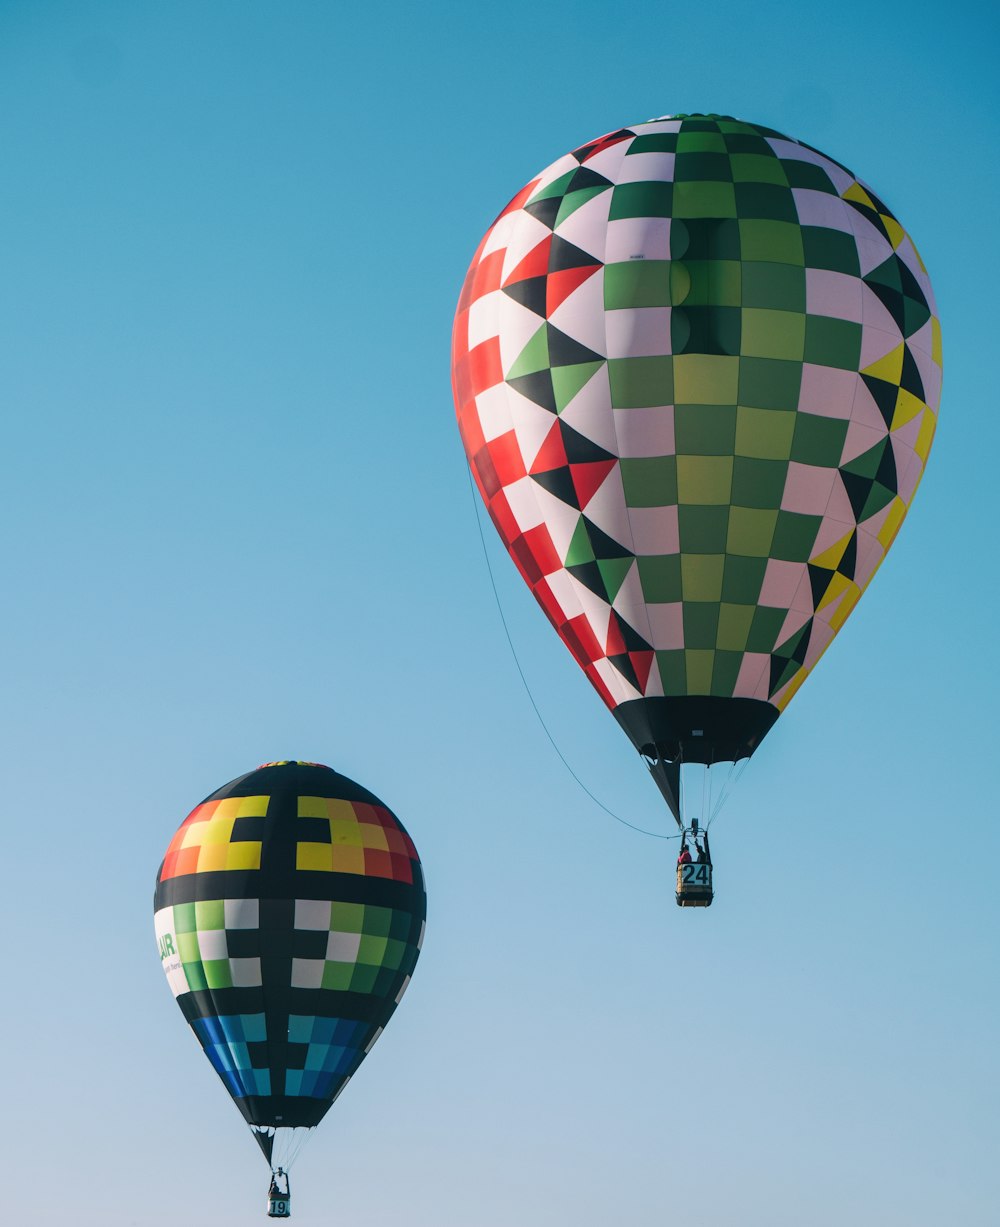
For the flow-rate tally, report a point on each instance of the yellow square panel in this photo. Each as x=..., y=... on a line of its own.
x=245, y=855
x=706, y=379
x=196, y=834
x=212, y=857
x=314, y=856
x=252, y=807
x=218, y=831
x=346, y=831
x=704, y=480
x=699, y=663
x=340, y=810
x=373, y=836
x=348, y=860
x=312, y=807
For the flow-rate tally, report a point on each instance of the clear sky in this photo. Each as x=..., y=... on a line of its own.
x=238, y=527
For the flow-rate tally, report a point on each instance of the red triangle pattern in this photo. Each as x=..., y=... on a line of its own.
x=552, y=453
x=534, y=264
x=559, y=285
x=589, y=477
x=642, y=663
x=615, y=645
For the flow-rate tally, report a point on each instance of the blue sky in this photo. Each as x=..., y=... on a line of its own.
x=239, y=528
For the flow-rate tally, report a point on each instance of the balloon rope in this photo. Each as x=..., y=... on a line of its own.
x=527, y=688
x=732, y=780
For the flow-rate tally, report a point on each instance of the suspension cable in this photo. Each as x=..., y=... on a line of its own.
x=527, y=688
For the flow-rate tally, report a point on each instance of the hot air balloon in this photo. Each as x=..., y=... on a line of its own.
x=696, y=367
x=289, y=912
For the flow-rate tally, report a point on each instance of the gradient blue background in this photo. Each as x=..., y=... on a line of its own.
x=238, y=527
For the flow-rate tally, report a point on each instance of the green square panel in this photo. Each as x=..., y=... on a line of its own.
x=703, y=530
x=806, y=174
x=702, y=580
x=734, y=626
x=832, y=249
x=701, y=627
x=751, y=531
x=704, y=480
x=743, y=139
x=766, y=201
x=725, y=672
x=184, y=918
x=705, y=430
x=673, y=671
x=703, y=199
x=638, y=383
x=708, y=166
x=347, y=918
x=394, y=954
x=780, y=287
x=210, y=914
x=699, y=664
x=653, y=142
x=649, y=481
x=338, y=976
x=776, y=242
x=378, y=921
x=218, y=974
x=758, y=483
x=757, y=168
x=833, y=342
x=818, y=440
x=705, y=379
x=765, y=434
x=743, y=578
x=794, y=536
x=187, y=948
x=705, y=238
x=773, y=334
x=714, y=283
x=706, y=140
x=764, y=629
x=363, y=979
x=769, y=383
x=660, y=578
x=645, y=199
x=637, y=283
x=371, y=950
x=706, y=330
x=195, y=974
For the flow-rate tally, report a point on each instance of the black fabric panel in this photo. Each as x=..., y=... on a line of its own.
x=668, y=728
x=296, y=884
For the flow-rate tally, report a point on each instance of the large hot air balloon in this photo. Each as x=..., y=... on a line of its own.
x=696, y=368
x=289, y=911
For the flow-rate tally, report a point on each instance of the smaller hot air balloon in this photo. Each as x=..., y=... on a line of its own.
x=289, y=912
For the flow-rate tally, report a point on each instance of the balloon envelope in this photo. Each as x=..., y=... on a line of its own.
x=696, y=368
x=289, y=911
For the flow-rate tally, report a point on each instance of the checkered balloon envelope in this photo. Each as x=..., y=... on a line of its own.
x=289, y=912
x=697, y=368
